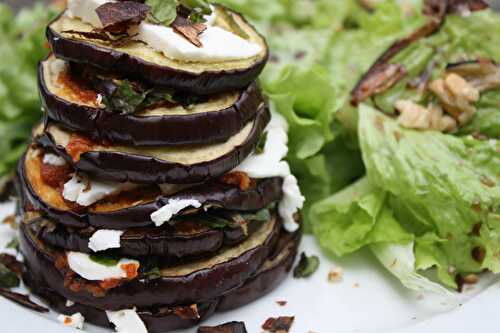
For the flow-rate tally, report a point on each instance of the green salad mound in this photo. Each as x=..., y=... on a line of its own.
x=394, y=114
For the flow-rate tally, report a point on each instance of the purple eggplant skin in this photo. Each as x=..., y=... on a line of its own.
x=168, y=130
x=202, y=285
x=268, y=277
x=193, y=240
x=108, y=59
x=121, y=167
x=156, y=321
x=213, y=193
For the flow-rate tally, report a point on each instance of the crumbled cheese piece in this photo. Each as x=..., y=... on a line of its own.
x=98, y=99
x=173, y=207
x=126, y=321
x=81, y=264
x=53, y=159
x=76, y=320
x=69, y=303
x=86, y=192
x=105, y=239
x=270, y=164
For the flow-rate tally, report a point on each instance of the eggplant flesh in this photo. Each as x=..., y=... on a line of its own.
x=157, y=165
x=161, y=319
x=188, y=283
x=186, y=240
x=137, y=61
x=36, y=194
x=213, y=120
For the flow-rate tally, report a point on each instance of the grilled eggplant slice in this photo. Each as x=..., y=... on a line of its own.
x=123, y=212
x=155, y=165
x=197, y=281
x=166, y=318
x=187, y=239
x=72, y=105
x=137, y=61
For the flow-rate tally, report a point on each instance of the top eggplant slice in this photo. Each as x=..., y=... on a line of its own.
x=155, y=165
x=71, y=104
x=138, y=61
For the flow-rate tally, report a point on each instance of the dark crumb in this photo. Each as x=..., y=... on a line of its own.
x=231, y=327
x=281, y=303
x=278, y=325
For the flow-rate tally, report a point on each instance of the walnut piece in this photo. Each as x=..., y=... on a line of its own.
x=457, y=96
x=416, y=116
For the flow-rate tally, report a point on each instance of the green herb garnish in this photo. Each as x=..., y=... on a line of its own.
x=105, y=259
x=8, y=279
x=152, y=274
x=124, y=98
x=214, y=222
x=306, y=266
x=262, y=144
x=262, y=215
x=13, y=244
x=162, y=11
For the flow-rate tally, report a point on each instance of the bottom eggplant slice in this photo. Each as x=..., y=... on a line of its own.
x=190, y=237
x=124, y=212
x=167, y=318
x=188, y=283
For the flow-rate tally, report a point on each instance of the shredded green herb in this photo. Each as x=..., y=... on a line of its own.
x=306, y=266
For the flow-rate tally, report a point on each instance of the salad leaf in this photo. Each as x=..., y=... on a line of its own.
x=163, y=11
x=444, y=184
x=22, y=40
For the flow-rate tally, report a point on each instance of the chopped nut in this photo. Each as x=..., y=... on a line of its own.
x=416, y=116
x=471, y=279
x=355, y=285
x=336, y=275
x=456, y=96
x=278, y=325
x=479, y=253
x=281, y=303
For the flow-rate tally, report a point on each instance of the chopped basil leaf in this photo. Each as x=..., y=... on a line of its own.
x=262, y=215
x=152, y=274
x=122, y=97
x=105, y=259
x=8, y=279
x=306, y=266
x=213, y=221
x=13, y=244
x=262, y=143
x=162, y=11
x=201, y=6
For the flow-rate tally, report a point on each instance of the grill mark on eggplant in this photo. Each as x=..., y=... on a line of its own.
x=169, y=130
x=203, y=82
x=185, y=284
x=210, y=194
x=161, y=319
x=127, y=167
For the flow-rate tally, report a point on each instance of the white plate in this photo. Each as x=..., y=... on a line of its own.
x=368, y=299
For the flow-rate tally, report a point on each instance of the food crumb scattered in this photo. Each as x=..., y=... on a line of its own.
x=336, y=275
x=420, y=297
x=281, y=303
x=355, y=285
x=278, y=325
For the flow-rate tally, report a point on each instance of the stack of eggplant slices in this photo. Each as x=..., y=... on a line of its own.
x=155, y=191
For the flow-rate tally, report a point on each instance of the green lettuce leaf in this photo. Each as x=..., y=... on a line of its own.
x=440, y=183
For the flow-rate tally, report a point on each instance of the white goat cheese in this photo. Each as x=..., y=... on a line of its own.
x=173, y=207
x=76, y=320
x=270, y=164
x=105, y=239
x=126, y=321
x=81, y=264
x=53, y=159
